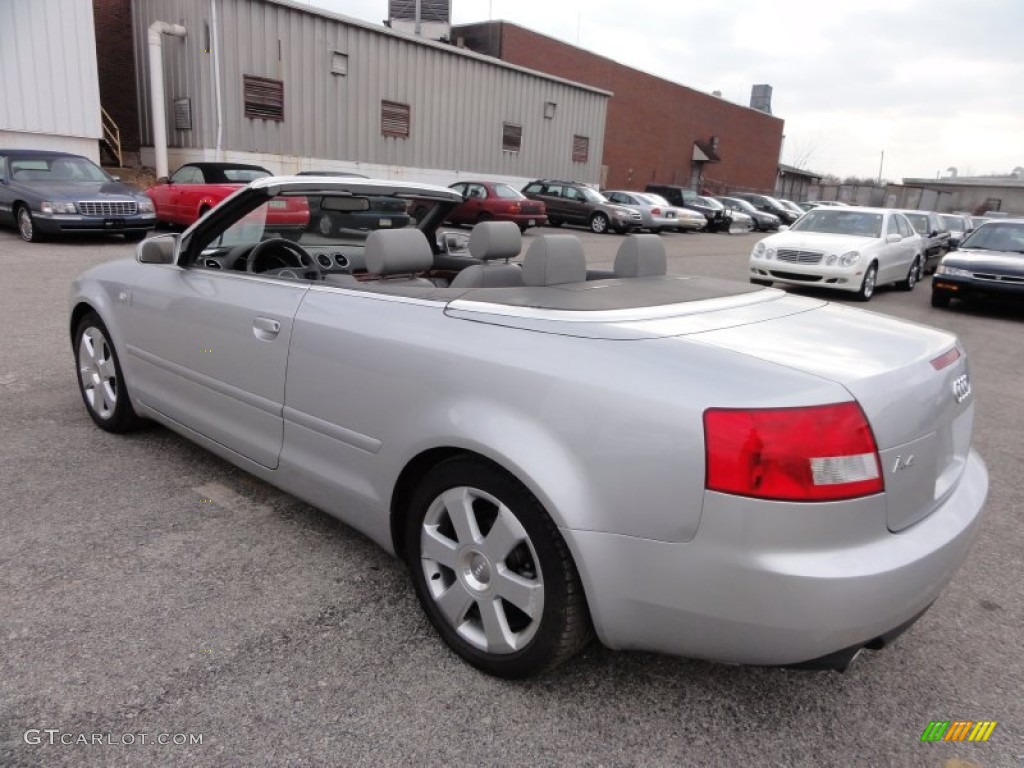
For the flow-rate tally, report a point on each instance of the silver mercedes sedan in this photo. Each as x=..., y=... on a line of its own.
x=675, y=464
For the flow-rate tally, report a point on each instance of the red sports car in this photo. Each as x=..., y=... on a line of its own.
x=195, y=188
x=494, y=201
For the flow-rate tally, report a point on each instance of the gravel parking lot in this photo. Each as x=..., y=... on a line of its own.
x=150, y=592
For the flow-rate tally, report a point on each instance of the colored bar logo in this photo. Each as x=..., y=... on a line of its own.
x=959, y=730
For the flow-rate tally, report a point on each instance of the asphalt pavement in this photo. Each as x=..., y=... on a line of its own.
x=160, y=607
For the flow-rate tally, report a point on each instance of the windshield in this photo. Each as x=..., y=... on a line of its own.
x=59, y=168
x=997, y=237
x=591, y=196
x=506, y=192
x=709, y=202
x=743, y=205
x=836, y=221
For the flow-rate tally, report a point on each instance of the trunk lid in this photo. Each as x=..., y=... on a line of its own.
x=921, y=412
x=912, y=382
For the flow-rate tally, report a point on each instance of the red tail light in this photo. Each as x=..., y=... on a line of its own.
x=819, y=453
x=512, y=207
x=656, y=211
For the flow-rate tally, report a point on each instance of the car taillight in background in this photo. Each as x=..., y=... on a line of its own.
x=818, y=453
x=656, y=211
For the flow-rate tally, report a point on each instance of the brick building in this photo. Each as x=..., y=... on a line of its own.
x=657, y=130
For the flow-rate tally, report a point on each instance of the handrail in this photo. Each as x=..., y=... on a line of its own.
x=112, y=136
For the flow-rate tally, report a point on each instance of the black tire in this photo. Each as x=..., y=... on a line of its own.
x=534, y=557
x=940, y=300
x=484, y=216
x=554, y=222
x=913, y=276
x=100, y=380
x=868, y=285
x=758, y=281
x=26, y=224
x=599, y=223
x=134, y=237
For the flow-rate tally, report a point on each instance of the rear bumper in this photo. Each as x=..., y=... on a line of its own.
x=777, y=584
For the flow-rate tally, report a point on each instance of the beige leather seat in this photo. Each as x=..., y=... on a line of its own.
x=490, y=241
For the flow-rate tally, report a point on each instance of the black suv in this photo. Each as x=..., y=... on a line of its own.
x=719, y=218
x=571, y=202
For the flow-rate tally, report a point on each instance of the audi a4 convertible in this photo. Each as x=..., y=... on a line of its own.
x=673, y=464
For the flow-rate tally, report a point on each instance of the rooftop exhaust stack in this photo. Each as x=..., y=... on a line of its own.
x=426, y=18
x=761, y=98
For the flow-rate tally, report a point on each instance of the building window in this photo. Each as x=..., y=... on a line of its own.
x=511, y=137
x=394, y=119
x=580, y=149
x=339, y=63
x=549, y=109
x=264, y=98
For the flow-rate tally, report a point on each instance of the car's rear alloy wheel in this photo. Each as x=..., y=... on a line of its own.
x=27, y=225
x=100, y=379
x=599, y=223
x=912, y=277
x=493, y=572
x=867, y=288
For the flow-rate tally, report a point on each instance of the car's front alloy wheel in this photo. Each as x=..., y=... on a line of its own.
x=492, y=571
x=100, y=379
x=599, y=223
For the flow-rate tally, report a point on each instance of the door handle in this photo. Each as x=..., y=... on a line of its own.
x=266, y=328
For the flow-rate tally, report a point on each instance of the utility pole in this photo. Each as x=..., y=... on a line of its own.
x=880, y=162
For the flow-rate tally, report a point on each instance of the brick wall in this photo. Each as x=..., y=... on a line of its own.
x=115, y=55
x=652, y=122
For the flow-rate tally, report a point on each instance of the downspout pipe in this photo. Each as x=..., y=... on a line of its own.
x=156, y=89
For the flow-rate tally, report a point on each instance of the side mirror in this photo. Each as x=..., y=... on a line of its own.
x=933, y=233
x=158, y=250
x=893, y=237
x=466, y=195
x=164, y=180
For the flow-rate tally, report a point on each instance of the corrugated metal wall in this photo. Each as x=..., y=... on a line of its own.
x=48, y=80
x=458, y=101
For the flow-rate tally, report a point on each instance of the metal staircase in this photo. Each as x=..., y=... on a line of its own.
x=112, y=137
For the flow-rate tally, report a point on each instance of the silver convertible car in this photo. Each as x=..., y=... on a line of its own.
x=677, y=464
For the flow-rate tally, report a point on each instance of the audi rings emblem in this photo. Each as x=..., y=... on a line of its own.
x=961, y=388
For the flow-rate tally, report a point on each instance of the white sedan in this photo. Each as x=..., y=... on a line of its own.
x=849, y=249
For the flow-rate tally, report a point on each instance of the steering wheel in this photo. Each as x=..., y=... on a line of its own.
x=279, y=257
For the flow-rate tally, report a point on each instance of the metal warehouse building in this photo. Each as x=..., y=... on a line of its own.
x=49, y=98
x=295, y=88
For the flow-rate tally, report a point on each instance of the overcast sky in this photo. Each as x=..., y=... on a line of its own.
x=932, y=83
